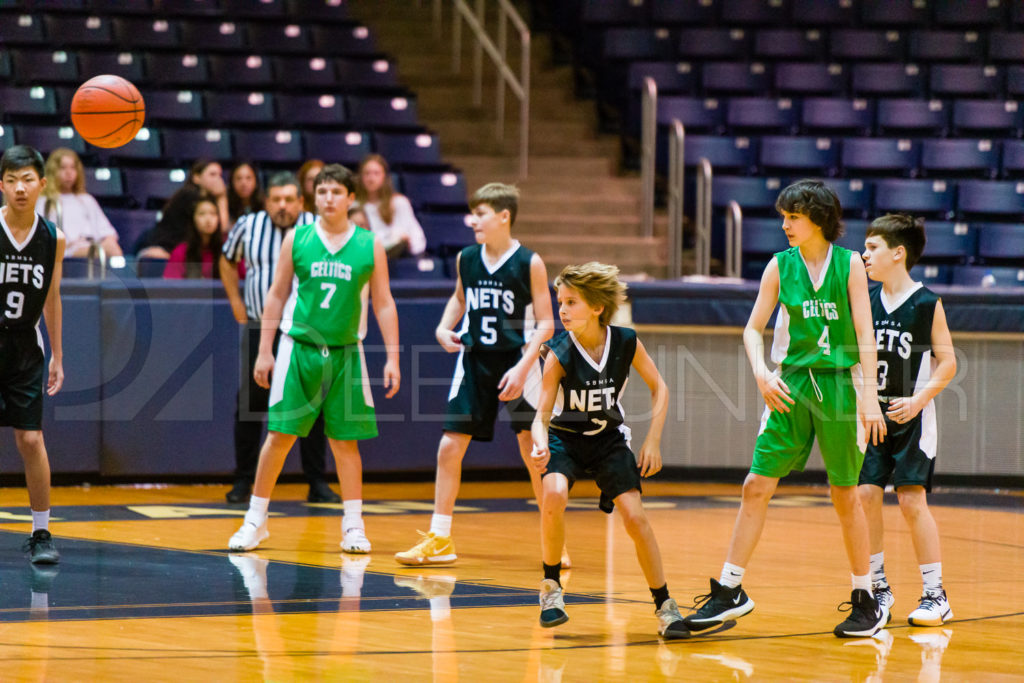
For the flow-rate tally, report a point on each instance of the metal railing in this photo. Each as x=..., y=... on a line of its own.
x=734, y=240
x=702, y=221
x=519, y=85
x=648, y=140
x=676, y=172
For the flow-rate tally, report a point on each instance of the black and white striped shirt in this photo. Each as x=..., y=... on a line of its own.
x=256, y=240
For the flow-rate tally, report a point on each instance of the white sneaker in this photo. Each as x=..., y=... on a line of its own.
x=934, y=609
x=883, y=594
x=254, y=573
x=352, y=571
x=248, y=537
x=355, y=541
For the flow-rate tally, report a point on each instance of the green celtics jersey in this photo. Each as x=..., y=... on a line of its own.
x=328, y=302
x=814, y=327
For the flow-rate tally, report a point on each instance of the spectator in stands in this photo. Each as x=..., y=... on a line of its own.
x=388, y=213
x=205, y=179
x=245, y=195
x=198, y=255
x=66, y=203
x=307, y=174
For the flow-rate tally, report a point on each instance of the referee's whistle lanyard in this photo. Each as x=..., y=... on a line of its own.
x=817, y=389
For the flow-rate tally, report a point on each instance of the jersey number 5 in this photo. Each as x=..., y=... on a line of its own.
x=826, y=348
x=490, y=335
x=16, y=304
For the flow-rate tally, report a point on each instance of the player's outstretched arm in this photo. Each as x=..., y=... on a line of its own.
x=273, y=306
x=773, y=389
x=553, y=374
x=53, y=313
x=453, y=312
x=860, y=309
x=904, y=409
x=513, y=381
x=649, y=458
x=387, y=316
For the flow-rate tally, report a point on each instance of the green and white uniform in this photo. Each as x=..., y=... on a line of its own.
x=320, y=363
x=815, y=347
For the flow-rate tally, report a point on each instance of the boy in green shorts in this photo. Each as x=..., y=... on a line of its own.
x=825, y=317
x=320, y=363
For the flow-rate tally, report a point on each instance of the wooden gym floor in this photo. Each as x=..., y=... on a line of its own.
x=146, y=591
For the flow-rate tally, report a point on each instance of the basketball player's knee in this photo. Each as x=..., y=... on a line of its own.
x=756, y=490
x=28, y=442
x=555, y=498
x=635, y=521
x=912, y=503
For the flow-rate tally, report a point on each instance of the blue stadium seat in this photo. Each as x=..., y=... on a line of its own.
x=855, y=231
x=416, y=268
x=444, y=189
x=1013, y=158
x=187, y=70
x=950, y=240
x=145, y=146
x=147, y=33
x=762, y=114
x=270, y=147
x=670, y=77
x=932, y=274
x=987, y=276
x=130, y=223
x=319, y=11
x=855, y=195
x=712, y=43
x=233, y=108
x=48, y=138
x=724, y=153
x=311, y=110
x=754, y=194
x=945, y=46
x=1001, y=242
x=374, y=111
x=696, y=113
x=1006, y=46
x=174, y=106
x=689, y=12
x=816, y=13
x=612, y=12
x=338, y=146
x=735, y=77
x=367, y=74
x=77, y=30
x=887, y=79
x=923, y=117
x=105, y=183
x=127, y=65
x=189, y=8
x=894, y=12
x=763, y=236
x=1001, y=117
x=990, y=197
x=446, y=232
x=281, y=38
x=219, y=35
x=915, y=196
x=810, y=79
x=832, y=115
x=409, y=149
x=5, y=65
x=959, y=80
x=22, y=28
x=256, y=9
x=960, y=13
x=243, y=70
x=756, y=12
x=804, y=154
x=305, y=72
x=45, y=66
x=848, y=44
x=631, y=44
x=1014, y=81
x=152, y=186
x=343, y=41
x=789, y=43
x=117, y=7
x=34, y=101
x=187, y=145
x=960, y=157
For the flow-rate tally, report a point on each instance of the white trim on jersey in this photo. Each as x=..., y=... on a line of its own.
x=824, y=269
x=929, y=426
x=604, y=355
x=531, y=389
x=457, y=376
x=501, y=260
x=891, y=306
x=14, y=243
x=334, y=243
x=764, y=420
x=780, y=342
x=367, y=394
x=288, y=312
x=281, y=366
x=857, y=378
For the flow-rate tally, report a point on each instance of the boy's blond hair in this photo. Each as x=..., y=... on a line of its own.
x=499, y=197
x=598, y=284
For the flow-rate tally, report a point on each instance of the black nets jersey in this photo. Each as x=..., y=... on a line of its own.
x=25, y=273
x=590, y=391
x=903, y=336
x=498, y=299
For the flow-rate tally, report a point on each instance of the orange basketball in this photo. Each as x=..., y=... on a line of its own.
x=107, y=111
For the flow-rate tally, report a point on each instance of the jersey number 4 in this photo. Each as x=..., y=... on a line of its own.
x=826, y=348
x=15, y=305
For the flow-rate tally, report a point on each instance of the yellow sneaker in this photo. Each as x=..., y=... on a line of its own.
x=430, y=550
x=429, y=586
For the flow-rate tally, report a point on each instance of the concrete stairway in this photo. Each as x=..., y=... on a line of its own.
x=576, y=207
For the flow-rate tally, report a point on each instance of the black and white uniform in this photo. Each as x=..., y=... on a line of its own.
x=903, y=336
x=497, y=324
x=26, y=270
x=588, y=435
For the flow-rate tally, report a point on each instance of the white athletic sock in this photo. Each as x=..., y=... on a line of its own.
x=862, y=582
x=441, y=525
x=40, y=520
x=257, y=513
x=878, y=568
x=732, y=575
x=931, y=575
x=40, y=602
x=353, y=516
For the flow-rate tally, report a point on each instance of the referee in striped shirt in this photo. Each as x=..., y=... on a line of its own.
x=256, y=239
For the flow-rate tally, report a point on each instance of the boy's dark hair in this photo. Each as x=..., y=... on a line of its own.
x=900, y=230
x=22, y=156
x=818, y=202
x=338, y=174
x=499, y=197
x=284, y=179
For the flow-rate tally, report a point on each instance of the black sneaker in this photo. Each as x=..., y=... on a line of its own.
x=43, y=576
x=239, y=493
x=320, y=492
x=720, y=605
x=866, y=616
x=40, y=545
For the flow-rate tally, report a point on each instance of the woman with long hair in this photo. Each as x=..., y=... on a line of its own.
x=205, y=179
x=197, y=256
x=389, y=213
x=245, y=195
x=66, y=203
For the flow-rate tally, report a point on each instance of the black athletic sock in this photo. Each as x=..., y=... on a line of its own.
x=660, y=596
x=551, y=571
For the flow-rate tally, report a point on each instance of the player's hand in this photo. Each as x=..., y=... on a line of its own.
x=539, y=457
x=448, y=339
x=775, y=392
x=649, y=460
x=903, y=410
x=512, y=382
x=238, y=310
x=874, y=423
x=392, y=378
x=56, y=379
x=262, y=370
